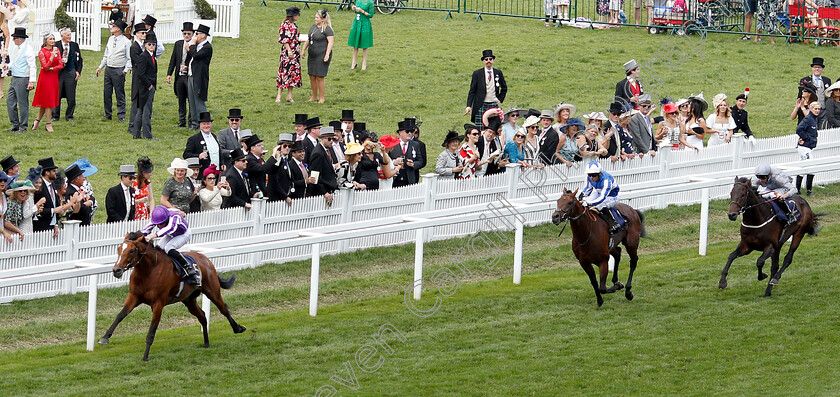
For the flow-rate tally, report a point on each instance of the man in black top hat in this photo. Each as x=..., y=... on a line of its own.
x=119, y=201
x=320, y=161
x=146, y=73
x=300, y=126
x=487, y=88
x=178, y=67
x=240, y=194
x=117, y=62
x=255, y=166
x=83, y=210
x=150, y=22
x=46, y=219
x=313, y=136
x=68, y=76
x=414, y=129
x=349, y=122
x=136, y=50
x=204, y=145
x=299, y=172
x=408, y=154
x=198, y=70
x=490, y=145
x=10, y=167
x=279, y=171
x=816, y=78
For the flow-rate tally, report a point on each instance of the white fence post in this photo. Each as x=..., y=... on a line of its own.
x=315, y=279
x=664, y=156
x=418, y=264
x=257, y=214
x=513, y=171
x=737, y=149
x=71, y=233
x=429, y=195
x=346, y=215
x=93, y=290
x=517, y=252
x=704, y=221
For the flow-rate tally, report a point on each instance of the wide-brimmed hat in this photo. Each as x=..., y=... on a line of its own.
x=21, y=33
x=285, y=138
x=179, y=163
x=807, y=87
x=205, y=117
x=531, y=120
x=21, y=185
x=353, y=148
x=327, y=131
x=297, y=145
x=139, y=27
x=645, y=98
x=150, y=20
x=292, y=11
x=487, y=53
x=237, y=154
x=313, y=122
x=203, y=29
x=73, y=172
x=817, y=61
x=127, y=170
x=234, y=113
x=389, y=141
x=670, y=108
x=451, y=136
x=252, y=140
x=47, y=164
x=193, y=162
x=596, y=116
x=118, y=23
x=300, y=118
x=827, y=90
x=347, y=115
x=515, y=110
x=210, y=170
x=469, y=127
x=563, y=105
x=8, y=162
x=573, y=121
x=188, y=27
x=718, y=99
x=547, y=114
x=630, y=65
x=87, y=167
x=699, y=98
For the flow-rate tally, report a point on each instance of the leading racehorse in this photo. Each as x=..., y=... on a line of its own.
x=760, y=231
x=156, y=283
x=591, y=240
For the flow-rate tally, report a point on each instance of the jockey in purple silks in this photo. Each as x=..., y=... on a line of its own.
x=174, y=232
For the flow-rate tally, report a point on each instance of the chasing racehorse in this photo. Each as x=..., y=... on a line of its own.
x=761, y=232
x=591, y=240
x=156, y=283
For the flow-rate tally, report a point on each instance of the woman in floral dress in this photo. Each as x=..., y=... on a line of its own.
x=288, y=74
x=144, y=199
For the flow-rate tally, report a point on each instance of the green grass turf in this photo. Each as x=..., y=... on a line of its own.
x=420, y=65
x=681, y=335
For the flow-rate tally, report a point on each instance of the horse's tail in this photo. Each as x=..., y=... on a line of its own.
x=815, y=226
x=227, y=284
x=643, y=233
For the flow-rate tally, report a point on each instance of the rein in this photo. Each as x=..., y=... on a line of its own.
x=137, y=257
x=565, y=214
x=742, y=208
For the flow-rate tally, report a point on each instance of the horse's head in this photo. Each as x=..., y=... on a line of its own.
x=566, y=204
x=738, y=197
x=129, y=253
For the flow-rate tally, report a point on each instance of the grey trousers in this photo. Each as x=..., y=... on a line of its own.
x=114, y=81
x=17, y=102
x=196, y=105
x=143, y=120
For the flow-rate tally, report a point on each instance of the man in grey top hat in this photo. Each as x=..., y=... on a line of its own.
x=119, y=201
x=641, y=128
x=629, y=89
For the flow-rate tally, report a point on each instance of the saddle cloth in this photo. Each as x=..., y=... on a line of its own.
x=191, y=262
x=619, y=217
x=794, y=212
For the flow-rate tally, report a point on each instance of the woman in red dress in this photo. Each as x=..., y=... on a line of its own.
x=46, y=92
x=144, y=199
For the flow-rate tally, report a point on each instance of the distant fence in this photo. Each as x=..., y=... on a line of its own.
x=84, y=12
x=448, y=6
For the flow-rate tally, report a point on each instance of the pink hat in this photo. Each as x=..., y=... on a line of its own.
x=211, y=170
x=389, y=141
x=669, y=108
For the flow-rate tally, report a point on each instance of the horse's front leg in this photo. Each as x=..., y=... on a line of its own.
x=131, y=302
x=763, y=258
x=157, y=309
x=741, y=250
x=616, y=255
x=590, y=271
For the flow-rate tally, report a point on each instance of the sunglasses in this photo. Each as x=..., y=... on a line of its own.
x=514, y=115
x=474, y=134
x=533, y=127
x=210, y=177
x=235, y=120
x=761, y=176
x=487, y=59
x=519, y=136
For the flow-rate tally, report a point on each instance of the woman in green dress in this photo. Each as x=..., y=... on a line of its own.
x=361, y=34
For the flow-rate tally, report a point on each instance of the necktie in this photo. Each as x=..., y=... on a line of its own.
x=127, y=202
x=153, y=60
x=236, y=134
x=326, y=149
x=303, y=170
x=489, y=76
x=403, y=147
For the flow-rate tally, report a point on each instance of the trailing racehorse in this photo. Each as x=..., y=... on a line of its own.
x=156, y=283
x=761, y=232
x=591, y=240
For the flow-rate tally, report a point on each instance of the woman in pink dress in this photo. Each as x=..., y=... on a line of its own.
x=288, y=74
x=46, y=92
x=144, y=199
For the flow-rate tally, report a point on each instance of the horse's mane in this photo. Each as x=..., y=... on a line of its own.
x=744, y=180
x=135, y=235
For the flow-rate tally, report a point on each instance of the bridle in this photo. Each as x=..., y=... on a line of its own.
x=743, y=208
x=137, y=256
x=564, y=215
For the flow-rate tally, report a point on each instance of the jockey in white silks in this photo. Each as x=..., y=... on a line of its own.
x=773, y=184
x=601, y=192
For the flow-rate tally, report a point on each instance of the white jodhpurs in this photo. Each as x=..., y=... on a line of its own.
x=608, y=202
x=174, y=243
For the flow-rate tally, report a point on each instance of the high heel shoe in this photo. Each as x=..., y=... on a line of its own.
x=353, y=67
x=35, y=124
x=48, y=126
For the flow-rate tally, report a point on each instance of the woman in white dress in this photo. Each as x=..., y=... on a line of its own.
x=211, y=195
x=721, y=121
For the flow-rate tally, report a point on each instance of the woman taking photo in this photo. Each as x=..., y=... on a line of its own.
x=448, y=163
x=177, y=191
x=211, y=194
x=288, y=74
x=721, y=121
x=347, y=173
x=46, y=92
x=370, y=164
x=696, y=128
x=807, y=94
x=144, y=199
x=320, y=46
x=361, y=34
x=672, y=129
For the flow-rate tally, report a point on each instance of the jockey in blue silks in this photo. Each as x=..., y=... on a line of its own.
x=601, y=192
x=773, y=184
x=174, y=233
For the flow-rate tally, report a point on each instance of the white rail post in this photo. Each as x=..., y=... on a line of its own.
x=315, y=279
x=737, y=149
x=664, y=155
x=704, y=221
x=418, y=263
x=513, y=171
x=517, y=253
x=257, y=213
x=93, y=290
x=429, y=193
x=71, y=233
x=205, y=306
x=348, y=199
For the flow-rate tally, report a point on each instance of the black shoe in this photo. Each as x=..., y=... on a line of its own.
x=809, y=193
x=181, y=125
x=121, y=119
x=106, y=117
x=69, y=119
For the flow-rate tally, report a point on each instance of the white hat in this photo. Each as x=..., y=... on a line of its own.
x=718, y=99
x=594, y=167
x=182, y=164
x=830, y=89
x=531, y=120
x=563, y=105
x=680, y=102
x=596, y=116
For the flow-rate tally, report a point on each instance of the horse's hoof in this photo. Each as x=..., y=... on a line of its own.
x=762, y=276
x=722, y=284
x=628, y=295
x=206, y=345
x=240, y=330
x=774, y=281
x=618, y=286
x=600, y=302
x=104, y=341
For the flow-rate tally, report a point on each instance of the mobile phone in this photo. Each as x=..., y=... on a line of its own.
x=222, y=179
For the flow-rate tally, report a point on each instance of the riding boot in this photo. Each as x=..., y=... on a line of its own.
x=783, y=206
x=188, y=272
x=611, y=223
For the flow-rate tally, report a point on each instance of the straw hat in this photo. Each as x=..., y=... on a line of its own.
x=699, y=97
x=353, y=148
x=531, y=120
x=596, y=116
x=179, y=163
x=718, y=99
x=563, y=105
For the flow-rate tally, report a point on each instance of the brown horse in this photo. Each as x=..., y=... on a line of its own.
x=761, y=232
x=155, y=283
x=591, y=239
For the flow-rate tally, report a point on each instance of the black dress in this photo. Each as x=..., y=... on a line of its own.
x=367, y=172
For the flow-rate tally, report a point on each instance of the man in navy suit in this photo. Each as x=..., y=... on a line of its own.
x=146, y=72
x=407, y=153
x=487, y=88
x=68, y=76
x=279, y=171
